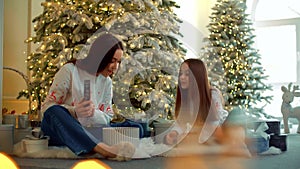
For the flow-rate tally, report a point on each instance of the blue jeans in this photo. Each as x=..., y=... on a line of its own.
x=64, y=130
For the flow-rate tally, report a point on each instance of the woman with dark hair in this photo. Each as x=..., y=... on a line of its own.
x=68, y=110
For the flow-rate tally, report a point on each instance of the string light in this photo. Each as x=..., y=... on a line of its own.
x=228, y=29
x=55, y=37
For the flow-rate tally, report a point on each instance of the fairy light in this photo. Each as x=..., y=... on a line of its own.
x=46, y=55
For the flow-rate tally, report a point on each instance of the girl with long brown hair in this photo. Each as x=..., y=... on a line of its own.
x=199, y=106
x=200, y=116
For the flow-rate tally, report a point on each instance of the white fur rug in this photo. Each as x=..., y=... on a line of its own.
x=146, y=149
x=51, y=152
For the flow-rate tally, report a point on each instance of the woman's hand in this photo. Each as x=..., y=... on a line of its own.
x=85, y=108
x=171, y=138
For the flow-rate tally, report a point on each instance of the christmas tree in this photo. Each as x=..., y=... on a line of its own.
x=147, y=78
x=233, y=63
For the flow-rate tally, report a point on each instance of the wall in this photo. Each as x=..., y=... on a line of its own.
x=14, y=52
x=18, y=26
x=1, y=54
x=195, y=16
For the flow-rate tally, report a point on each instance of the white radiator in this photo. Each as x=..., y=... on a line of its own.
x=115, y=135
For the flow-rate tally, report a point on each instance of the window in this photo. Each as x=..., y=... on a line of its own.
x=277, y=46
x=277, y=9
x=277, y=26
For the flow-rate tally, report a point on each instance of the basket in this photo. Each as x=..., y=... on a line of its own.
x=31, y=146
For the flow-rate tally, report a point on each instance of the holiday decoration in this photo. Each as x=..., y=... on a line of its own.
x=286, y=108
x=233, y=64
x=147, y=77
x=30, y=89
x=278, y=141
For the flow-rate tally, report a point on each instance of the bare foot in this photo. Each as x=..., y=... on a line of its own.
x=106, y=150
x=125, y=151
x=120, y=152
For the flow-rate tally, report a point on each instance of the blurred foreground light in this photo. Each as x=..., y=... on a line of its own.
x=95, y=164
x=7, y=162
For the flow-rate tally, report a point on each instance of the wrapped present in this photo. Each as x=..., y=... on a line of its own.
x=115, y=135
x=161, y=128
x=273, y=125
x=6, y=138
x=257, y=144
x=146, y=128
x=278, y=141
x=258, y=140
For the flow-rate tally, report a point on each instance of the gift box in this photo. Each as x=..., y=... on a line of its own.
x=258, y=140
x=278, y=141
x=96, y=131
x=115, y=135
x=161, y=128
x=146, y=128
x=273, y=126
x=6, y=138
x=148, y=131
x=257, y=144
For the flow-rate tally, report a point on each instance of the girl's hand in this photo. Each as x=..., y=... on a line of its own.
x=85, y=108
x=171, y=138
